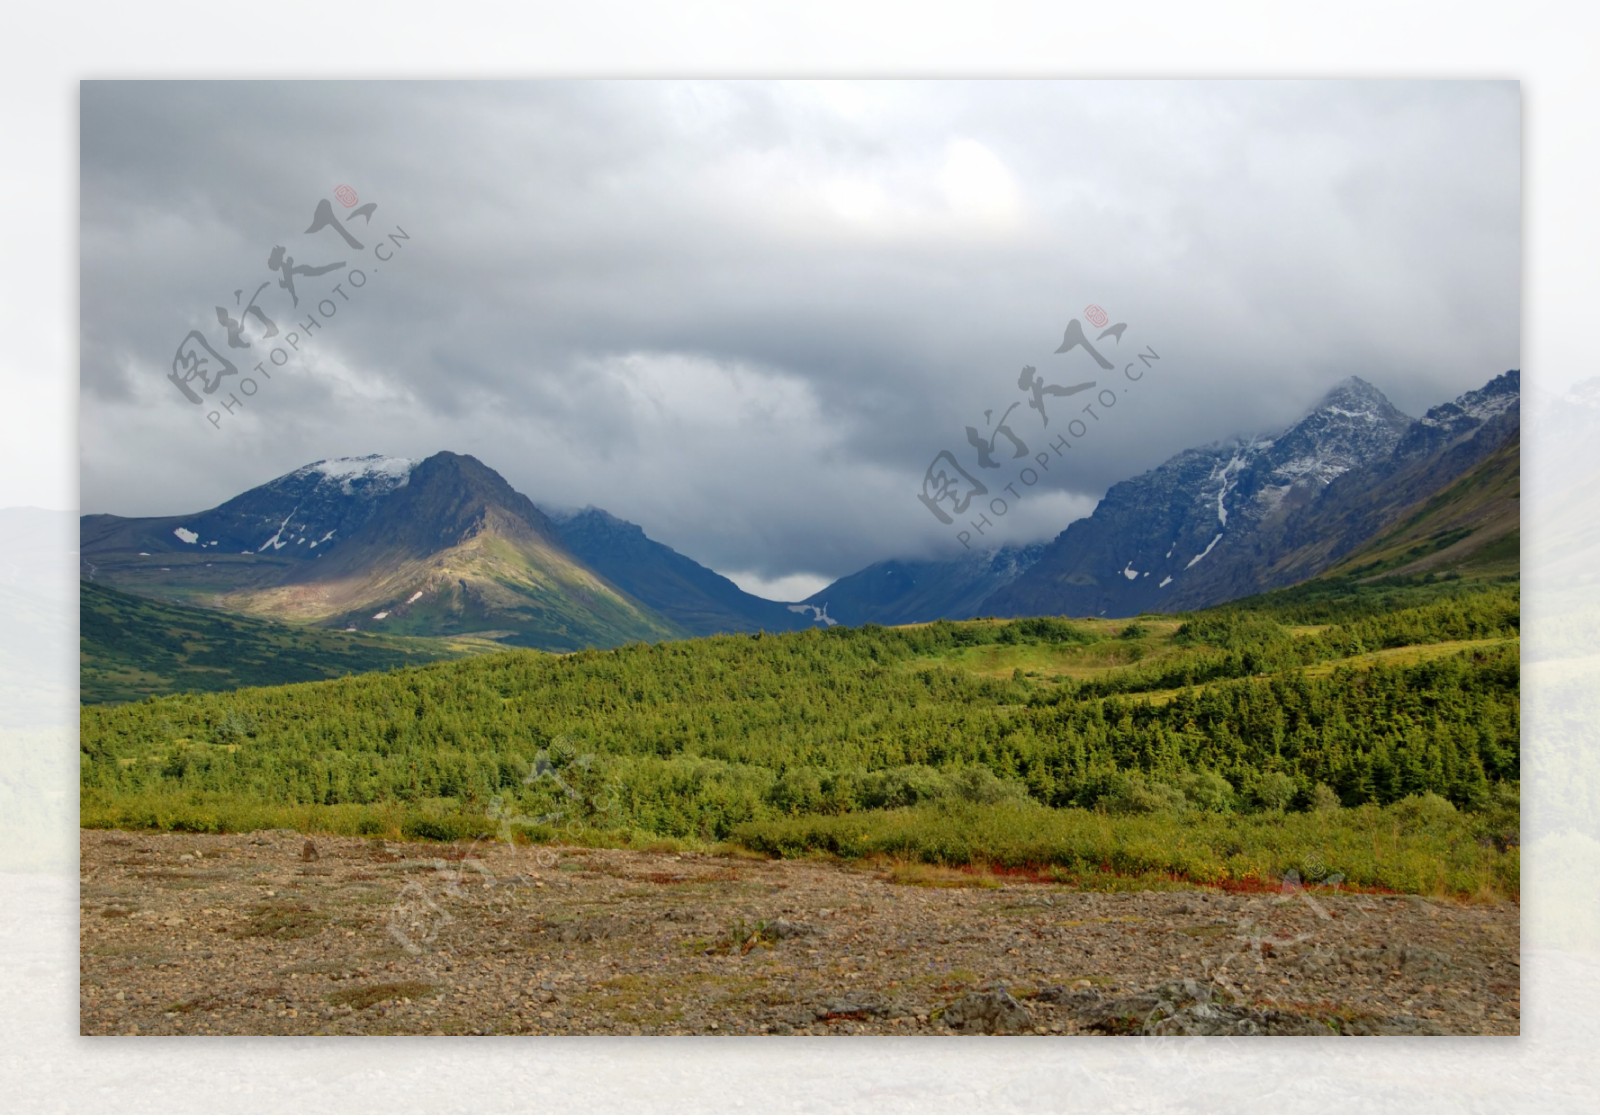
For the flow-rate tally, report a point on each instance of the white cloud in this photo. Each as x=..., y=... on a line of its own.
x=795, y=587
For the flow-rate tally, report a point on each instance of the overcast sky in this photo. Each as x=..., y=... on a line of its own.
x=748, y=315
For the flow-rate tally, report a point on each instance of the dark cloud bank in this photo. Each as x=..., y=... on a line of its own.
x=748, y=315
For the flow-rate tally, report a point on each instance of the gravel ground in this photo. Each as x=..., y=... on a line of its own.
x=268, y=934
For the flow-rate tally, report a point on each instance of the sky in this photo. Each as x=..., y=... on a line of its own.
x=750, y=316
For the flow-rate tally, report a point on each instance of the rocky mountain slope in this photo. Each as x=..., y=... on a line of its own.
x=1448, y=497
x=446, y=547
x=438, y=547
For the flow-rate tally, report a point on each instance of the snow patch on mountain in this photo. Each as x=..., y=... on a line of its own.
x=185, y=534
x=276, y=542
x=1206, y=551
x=1272, y=495
x=1319, y=469
x=1225, y=475
x=1477, y=406
x=380, y=473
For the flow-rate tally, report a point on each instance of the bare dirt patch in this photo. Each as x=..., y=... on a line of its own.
x=374, y=938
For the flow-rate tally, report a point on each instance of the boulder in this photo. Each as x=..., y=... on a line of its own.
x=993, y=1011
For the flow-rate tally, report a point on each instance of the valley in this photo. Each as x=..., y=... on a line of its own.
x=382, y=746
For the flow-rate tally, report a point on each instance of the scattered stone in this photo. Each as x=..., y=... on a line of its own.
x=1409, y=959
x=991, y=1012
x=1394, y=1025
x=853, y=1007
x=591, y=930
x=1079, y=999
x=782, y=928
x=1189, y=1007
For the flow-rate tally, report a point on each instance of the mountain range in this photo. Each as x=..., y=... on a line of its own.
x=446, y=547
x=1243, y=516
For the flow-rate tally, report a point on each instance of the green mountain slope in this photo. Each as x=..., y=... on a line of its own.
x=134, y=647
x=1470, y=528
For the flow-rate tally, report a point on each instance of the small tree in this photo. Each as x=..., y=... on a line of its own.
x=1208, y=791
x=1275, y=790
x=1324, y=798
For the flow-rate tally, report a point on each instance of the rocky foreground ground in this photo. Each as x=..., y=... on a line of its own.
x=271, y=934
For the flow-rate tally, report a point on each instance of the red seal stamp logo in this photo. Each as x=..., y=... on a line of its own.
x=347, y=197
x=1097, y=317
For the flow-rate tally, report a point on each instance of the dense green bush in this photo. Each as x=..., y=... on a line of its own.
x=1368, y=847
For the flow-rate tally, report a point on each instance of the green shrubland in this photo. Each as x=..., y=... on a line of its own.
x=1379, y=732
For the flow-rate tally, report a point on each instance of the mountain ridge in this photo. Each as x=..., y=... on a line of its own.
x=443, y=547
x=907, y=591
x=693, y=596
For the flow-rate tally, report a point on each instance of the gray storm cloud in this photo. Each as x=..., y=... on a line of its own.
x=748, y=315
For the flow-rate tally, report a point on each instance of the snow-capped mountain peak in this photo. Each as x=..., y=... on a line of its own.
x=375, y=473
x=1352, y=423
x=1353, y=397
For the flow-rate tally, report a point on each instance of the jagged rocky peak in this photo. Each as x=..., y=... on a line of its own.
x=1354, y=422
x=1476, y=407
x=1356, y=398
x=459, y=468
